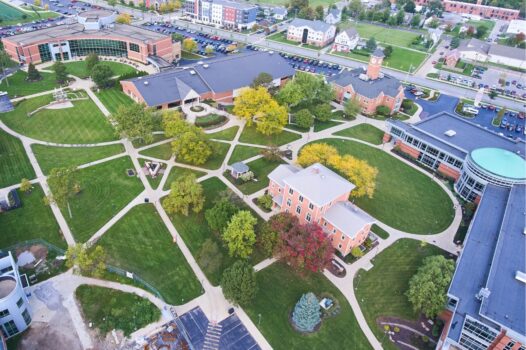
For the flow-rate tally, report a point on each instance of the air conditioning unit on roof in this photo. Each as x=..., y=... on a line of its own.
x=450, y=133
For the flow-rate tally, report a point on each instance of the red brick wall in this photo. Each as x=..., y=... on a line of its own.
x=448, y=171
x=502, y=340
x=410, y=151
x=129, y=89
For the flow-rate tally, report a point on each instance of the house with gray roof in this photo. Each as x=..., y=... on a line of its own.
x=238, y=169
x=220, y=79
x=334, y=16
x=318, y=195
x=316, y=33
x=481, y=51
x=346, y=40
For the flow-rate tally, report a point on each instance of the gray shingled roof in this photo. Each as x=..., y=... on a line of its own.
x=334, y=12
x=351, y=32
x=507, y=51
x=240, y=167
x=378, y=53
x=474, y=45
x=281, y=172
x=318, y=26
x=348, y=218
x=370, y=89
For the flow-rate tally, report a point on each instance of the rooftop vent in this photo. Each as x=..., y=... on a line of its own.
x=524, y=230
x=483, y=294
x=200, y=63
x=145, y=83
x=520, y=276
x=380, y=75
x=192, y=72
x=270, y=52
x=205, y=66
x=450, y=133
x=363, y=77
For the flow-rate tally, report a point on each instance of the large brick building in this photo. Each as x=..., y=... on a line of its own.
x=477, y=9
x=371, y=88
x=94, y=32
x=318, y=195
x=226, y=13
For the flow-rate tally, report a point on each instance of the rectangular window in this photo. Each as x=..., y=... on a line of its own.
x=308, y=217
x=4, y=313
x=289, y=202
x=301, y=198
x=27, y=317
x=20, y=302
x=298, y=209
x=134, y=47
x=325, y=223
x=291, y=191
x=311, y=206
x=10, y=328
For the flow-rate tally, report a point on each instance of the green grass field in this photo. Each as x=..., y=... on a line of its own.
x=110, y=309
x=405, y=198
x=178, y=172
x=401, y=59
x=79, y=69
x=364, y=132
x=386, y=35
x=14, y=163
x=10, y=15
x=163, y=151
x=55, y=157
x=227, y=134
x=381, y=290
x=279, y=290
x=83, y=123
x=241, y=153
x=261, y=168
x=220, y=150
x=251, y=135
x=319, y=126
x=282, y=38
x=106, y=189
x=113, y=98
x=17, y=86
x=33, y=220
x=141, y=243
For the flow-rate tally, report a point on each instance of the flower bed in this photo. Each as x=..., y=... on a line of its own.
x=210, y=120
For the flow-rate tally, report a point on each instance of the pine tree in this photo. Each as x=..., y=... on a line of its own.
x=32, y=73
x=306, y=314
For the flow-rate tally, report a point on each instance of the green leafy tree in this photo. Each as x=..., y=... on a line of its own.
x=239, y=283
x=388, y=51
x=5, y=60
x=435, y=7
x=307, y=314
x=210, y=257
x=265, y=201
x=355, y=7
x=61, y=74
x=185, y=194
x=303, y=118
x=428, y=287
x=32, y=73
x=220, y=214
x=407, y=104
x=63, y=185
x=91, y=61
x=189, y=45
x=371, y=45
x=410, y=7
x=307, y=89
x=307, y=13
x=415, y=21
x=263, y=79
x=319, y=12
x=352, y=108
x=89, y=262
x=400, y=17
x=356, y=252
x=455, y=42
x=384, y=111
x=239, y=235
x=112, y=3
x=25, y=185
x=481, y=31
x=323, y=112
x=101, y=74
x=492, y=94
x=133, y=121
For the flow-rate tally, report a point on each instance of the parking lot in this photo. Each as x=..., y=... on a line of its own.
x=512, y=124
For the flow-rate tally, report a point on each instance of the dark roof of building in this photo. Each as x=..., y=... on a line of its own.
x=507, y=51
x=318, y=26
x=240, y=167
x=474, y=45
x=335, y=12
x=220, y=75
x=378, y=53
x=351, y=32
x=467, y=136
x=387, y=84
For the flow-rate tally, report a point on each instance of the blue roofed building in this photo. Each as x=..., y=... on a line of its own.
x=469, y=154
x=220, y=79
x=487, y=296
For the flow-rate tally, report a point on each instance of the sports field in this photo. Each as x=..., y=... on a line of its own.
x=382, y=34
x=11, y=15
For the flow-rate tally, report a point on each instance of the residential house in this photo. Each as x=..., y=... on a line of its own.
x=334, y=16
x=515, y=27
x=279, y=13
x=480, y=51
x=318, y=195
x=477, y=9
x=316, y=33
x=346, y=40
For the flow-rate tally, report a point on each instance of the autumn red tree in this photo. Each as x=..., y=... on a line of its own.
x=305, y=247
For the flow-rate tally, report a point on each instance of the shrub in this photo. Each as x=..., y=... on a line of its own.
x=265, y=201
x=304, y=119
x=396, y=330
x=306, y=314
x=407, y=104
x=247, y=176
x=383, y=111
x=387, y=328
x=356, y=252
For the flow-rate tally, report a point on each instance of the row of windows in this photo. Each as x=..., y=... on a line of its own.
x=102, y=47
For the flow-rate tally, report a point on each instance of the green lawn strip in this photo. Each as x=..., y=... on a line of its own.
x=242, y=152
x=177, y=172
x=154, y=182
x=297, y=128
x=211, y=120
x=381, y=290
x=79, y=69
x=32, y=220
x=83, y=123
x=383, y=34
x=14, y=163
x=220, y=150
x=319, y=126
x=163, y=151
x=380, y=232
x=282, y=38
x=401, y=59
x=226, y=135
x=190, y=56
x=110, y=309
x=195, y=231
x=17, y=85
x=404, y=198
x=251, y=135
x=261, y=168
x=106, y=189
x=364, y=132
x=156, y=138
x=113, y=98
x=50, y=157
x=279, y=289
x=141, y=243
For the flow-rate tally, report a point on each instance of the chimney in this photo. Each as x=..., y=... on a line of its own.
x=375, y=64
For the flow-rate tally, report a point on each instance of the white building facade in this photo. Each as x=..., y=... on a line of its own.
x=316, y=33
x=346, y=40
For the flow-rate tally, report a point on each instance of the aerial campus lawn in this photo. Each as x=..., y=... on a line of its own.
x=364, y=132
x=109, y=309
x=106, y=188
x=251, y=135
x=401, y=59
x=404, y=198
x=11, y=15
x=162, y=151
x=178, y=172
x=381, y=290
x=226, y=135
x=14, y=163
x=261, y=168
x=113, y=98
x=83, y=123
x=16, y=85
x=141, y=243
x=154, y=181
x=80, y=70
x=32, y=220
x=195, y=231
x=279, y=290
x=242, y=152
x=388, y=35
x=50, y=157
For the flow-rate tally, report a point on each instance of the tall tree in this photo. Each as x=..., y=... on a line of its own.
x=263, y=79
x=352, y=108
x=415, y=21
x=61, y=74
x=400, y=17
x=63, y=185
x=32, y=73
x=388, y=51
x=134, y=121
x=306, y=88
x=123, y=18
x=239, y=235
x=91, y=61
x=355, y=7
x=303, y=118
x=5, y=60
x=220, y=214
x=189, y=45
x=319, y=12
x=185, y=194
x=307, y=313
x=359, y=172
x=323, y=112
x=101, y=74
x=239, y=283
x=317, y=153
x=428, y=287
x=371, y=45
x=89, y=262
x=410, y=6
x=273, y=229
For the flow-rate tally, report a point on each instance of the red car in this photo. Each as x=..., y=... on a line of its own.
x=434, y=62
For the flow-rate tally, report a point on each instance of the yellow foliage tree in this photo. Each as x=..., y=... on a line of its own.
x=358, y=172
x=46, y=7
x=317, y=153
x=189, y=45
x=37, y=2
x=123, y=18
